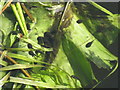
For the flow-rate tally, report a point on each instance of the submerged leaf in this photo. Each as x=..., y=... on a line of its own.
x=78, y=62
x=97, y=53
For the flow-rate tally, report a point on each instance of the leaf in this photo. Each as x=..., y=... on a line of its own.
x=19, y=66
x=37, y=45
x=78, y=62
x=35, y=83
x=62, y=62
x=97, y=53
x=22, y=57
x=6, y=27
x=43, y=20
x=3, y=63
x=79, y=36
x=5, y=78
x=115, y=20
x=104, y=27
x=19, y=15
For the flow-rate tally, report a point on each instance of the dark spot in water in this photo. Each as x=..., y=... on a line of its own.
x=113, y=62
x=29, y=45
x=28, y=26
x=79, y=21
x=35, y=63
x=40, y=40
x=89, y=44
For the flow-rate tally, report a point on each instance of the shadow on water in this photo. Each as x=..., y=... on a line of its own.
x=100, y=72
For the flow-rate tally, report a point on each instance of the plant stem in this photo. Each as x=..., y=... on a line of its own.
x=4, y=8
x=17, y=16
x=100, y=8
x=28, y=13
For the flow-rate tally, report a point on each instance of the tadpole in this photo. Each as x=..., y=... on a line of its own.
x=89, y=44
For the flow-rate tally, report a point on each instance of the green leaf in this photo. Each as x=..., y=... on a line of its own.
x=62, y=62
x=19, y=8
x=19, y=15
x=44, y=20
x=6, y=27
x=37, y=45
x=115, y=20
x=22, y=57
x=4, y=79
x=78, y=62
x=35, y=83
x=97, y=53
x=3, y=63
x=19, y=66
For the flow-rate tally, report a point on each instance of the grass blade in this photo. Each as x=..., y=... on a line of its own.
x=35, y=83
x=2, y=81
x=22, y=57
x=100, y=8
x=19, y=66
x=18, y=17
x=22, y=18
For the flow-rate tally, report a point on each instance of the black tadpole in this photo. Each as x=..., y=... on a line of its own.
x=40, y=40
x=79, y=21
x=89, y=44
x=29, y=45
x=28, y=26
